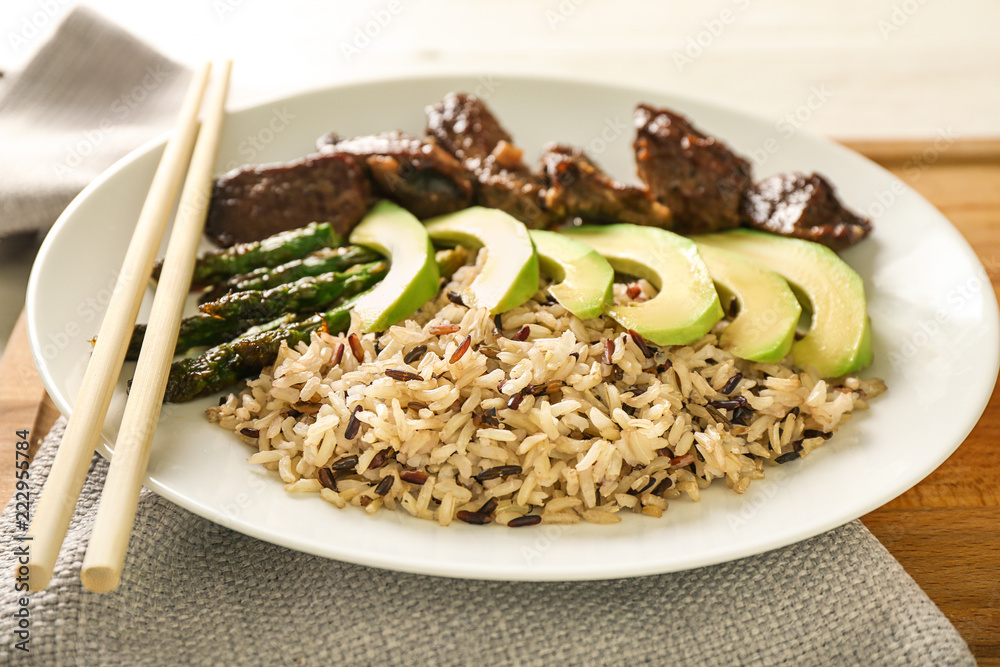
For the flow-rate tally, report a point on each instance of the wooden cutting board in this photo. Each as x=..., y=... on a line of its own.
x=945, y=531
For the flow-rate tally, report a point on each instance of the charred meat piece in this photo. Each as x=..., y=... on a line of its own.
x=696, y=176
x=578, y=188
x=805, y=207
x=463, y=125
x=252, y=203
x=418, y=175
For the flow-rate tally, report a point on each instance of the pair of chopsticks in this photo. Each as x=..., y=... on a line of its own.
x=102, y=565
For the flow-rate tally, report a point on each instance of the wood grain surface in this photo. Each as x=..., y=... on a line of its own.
x=945, y=531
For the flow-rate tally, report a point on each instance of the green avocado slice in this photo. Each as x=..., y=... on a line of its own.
x=839, y=339
x=509, y=277
x=687, y=305
x=764, y=327
x=583, y=278
x=413, y=274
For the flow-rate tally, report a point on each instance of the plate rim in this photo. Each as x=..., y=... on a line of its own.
x=428, y=566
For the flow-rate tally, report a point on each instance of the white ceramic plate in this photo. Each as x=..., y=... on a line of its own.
x=933, y=314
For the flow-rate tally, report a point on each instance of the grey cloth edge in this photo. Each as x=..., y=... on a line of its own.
x=194, y=592
x=90, y=94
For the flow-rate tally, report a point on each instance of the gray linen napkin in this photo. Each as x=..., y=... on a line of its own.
x=195, y=593
x=91, y=94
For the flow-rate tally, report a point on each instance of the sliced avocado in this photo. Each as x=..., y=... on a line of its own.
x=764, y=327
x=686, y=306
x=413, y=274
x=509, y=276
x=839, y=340
x=583, y=278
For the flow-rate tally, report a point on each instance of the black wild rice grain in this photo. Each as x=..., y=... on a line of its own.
x=522, y=334
x=742, y=416
x=356, y=349
x=732, y=383
x=474, y=518
x=353, y=426
x=663, y=486
x=617, y=373
x=718, y=416
x=731, y=404
x=463, y=347
x=344, y=463
x=787, y=456
x=401, y=375
x=496, y=472
x=414, y=476
x=416, y=354
x=384, y=486
x=637, y=492
x=250, y=432
x=338, y=354
x=490, y=418
x=641, y=343
x=545, y=388
x=327, y=479
x=455, y=298
x=515, y=401
x=488, y=507
x=366, y=501
x=380, y=459
x=526, y=520
x=813, y=433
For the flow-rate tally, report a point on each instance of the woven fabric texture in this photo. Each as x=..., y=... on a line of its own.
x=195, y=593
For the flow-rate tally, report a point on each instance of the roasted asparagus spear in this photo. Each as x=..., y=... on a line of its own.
x=313, y=293
x=219, y=265
x=204, y=329
x=230, y=362
x=322, y=261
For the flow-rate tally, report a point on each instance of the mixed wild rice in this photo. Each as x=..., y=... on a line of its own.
x=532, y=417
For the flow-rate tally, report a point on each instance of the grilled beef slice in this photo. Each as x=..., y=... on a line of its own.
x=578, y=188
x=463, y=125
x=696, y=176
x=252, y=203
x=805, y=207
x=418, y=175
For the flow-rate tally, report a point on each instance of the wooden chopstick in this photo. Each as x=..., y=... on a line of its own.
x=102, y=565
x=69, y=469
